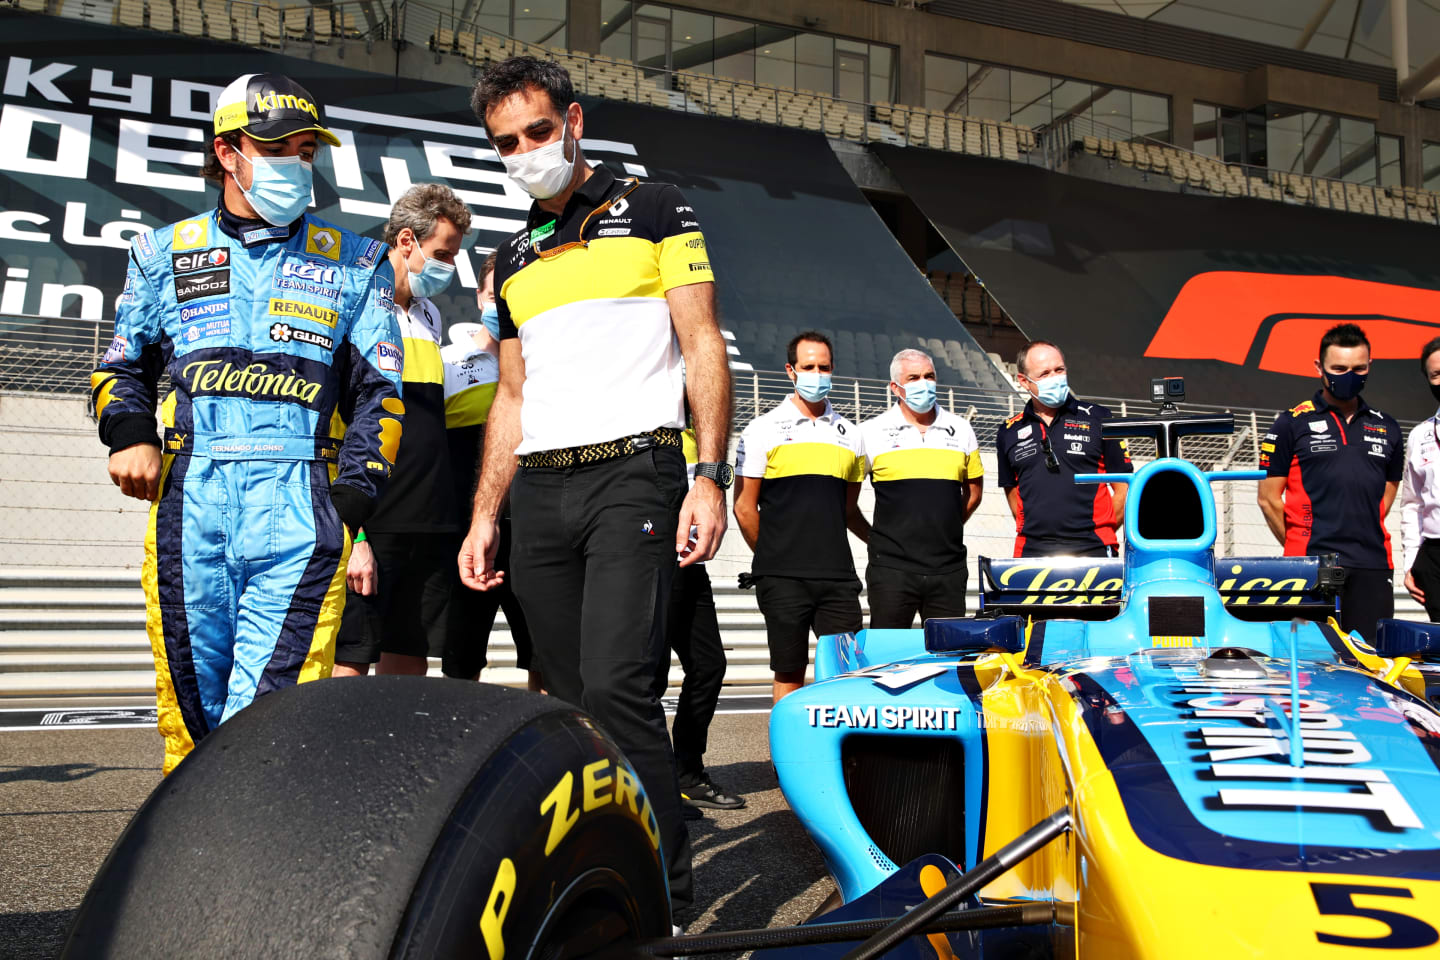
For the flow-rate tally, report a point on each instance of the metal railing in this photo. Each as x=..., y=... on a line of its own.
x=1200, y=172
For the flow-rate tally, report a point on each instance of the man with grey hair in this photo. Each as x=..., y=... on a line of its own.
x=400, y=576
x=924, y=463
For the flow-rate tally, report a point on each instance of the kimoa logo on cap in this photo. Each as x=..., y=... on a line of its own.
x=265, y=102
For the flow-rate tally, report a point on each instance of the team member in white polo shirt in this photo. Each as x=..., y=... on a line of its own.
x=924, y=463
x=401, y=569
x=600, y=296
x=1420, y=497
x=797, y=489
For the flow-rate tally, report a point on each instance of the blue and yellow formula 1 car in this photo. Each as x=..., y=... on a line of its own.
x=1156, y=757
x=1237, y=780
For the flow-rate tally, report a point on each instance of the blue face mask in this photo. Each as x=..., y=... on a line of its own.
x=812, y=385
x=1053, y=391
x=920, y=395
x=280, y=188
x=433, y=278
x=1345, y=386
x=490, y=316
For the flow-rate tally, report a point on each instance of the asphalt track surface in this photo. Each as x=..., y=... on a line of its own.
x=69, y=786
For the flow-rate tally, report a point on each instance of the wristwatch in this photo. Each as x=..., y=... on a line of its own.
x=722, y=473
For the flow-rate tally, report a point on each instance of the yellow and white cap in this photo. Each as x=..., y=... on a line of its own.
x=269, y=106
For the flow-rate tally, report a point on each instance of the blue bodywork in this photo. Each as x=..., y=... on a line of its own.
x=1206, y=767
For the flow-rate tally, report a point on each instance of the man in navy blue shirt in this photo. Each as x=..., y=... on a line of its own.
x=1040, y=450
x=1332, y=467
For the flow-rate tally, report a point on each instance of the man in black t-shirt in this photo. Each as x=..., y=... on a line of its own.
x=401, y=571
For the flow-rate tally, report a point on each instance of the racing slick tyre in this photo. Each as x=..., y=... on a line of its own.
x=386, y=817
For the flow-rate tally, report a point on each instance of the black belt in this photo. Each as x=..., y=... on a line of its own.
x=600, y=452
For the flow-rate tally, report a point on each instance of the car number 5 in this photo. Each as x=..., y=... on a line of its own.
x=1405, y=932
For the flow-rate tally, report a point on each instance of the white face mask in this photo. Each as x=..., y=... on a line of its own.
x=544, y=171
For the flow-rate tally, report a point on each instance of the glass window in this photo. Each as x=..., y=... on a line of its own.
x=493, y=16
x=735, y=49
x=852, y=74
x=1029, y=99
x=1070, y=99
x=774, y=62
x=541, y=21
x=1322, y=144
x=1151, y=116
x=1389, y=160
x=1284, y=139
x=693, y=41
x=652, y=42
x=1112, y=114
x=614, y=28
x=1206, y=132
x=814, y=63
x=989, y=97
x=1430, y=165
x=882, y=83
x=944, y=81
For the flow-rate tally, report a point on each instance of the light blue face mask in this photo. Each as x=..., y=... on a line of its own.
x=812, y=385
x=490, y=316
x=1053, y=391
x=433, y=278
x=920, y=395
x=280, y=187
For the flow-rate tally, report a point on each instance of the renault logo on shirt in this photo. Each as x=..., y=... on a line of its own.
x=323, y=240
x=303, y=311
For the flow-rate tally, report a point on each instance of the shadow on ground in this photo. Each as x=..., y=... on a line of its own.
x=33, y=936
x=57, y=773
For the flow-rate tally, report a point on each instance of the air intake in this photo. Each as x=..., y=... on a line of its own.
x=908, y=793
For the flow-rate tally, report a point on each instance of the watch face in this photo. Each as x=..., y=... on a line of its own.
x=727, y=475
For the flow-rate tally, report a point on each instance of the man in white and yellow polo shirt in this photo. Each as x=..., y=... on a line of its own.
x=924, y=463
x=798, y=472
x=400, y=575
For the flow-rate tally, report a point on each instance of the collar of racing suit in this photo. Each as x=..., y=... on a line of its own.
x=248, y=232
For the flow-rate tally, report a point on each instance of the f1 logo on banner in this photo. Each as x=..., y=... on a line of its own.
x=1273, y=321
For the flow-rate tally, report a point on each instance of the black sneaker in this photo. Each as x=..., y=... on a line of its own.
x=704, y=793
x=691, y=813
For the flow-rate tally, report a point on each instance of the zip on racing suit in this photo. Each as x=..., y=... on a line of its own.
x=284, y=353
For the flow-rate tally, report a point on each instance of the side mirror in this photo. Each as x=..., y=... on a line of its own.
x=959, y=635
x=1404, y=638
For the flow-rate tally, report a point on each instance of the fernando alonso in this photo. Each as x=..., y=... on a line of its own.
x=279, y=336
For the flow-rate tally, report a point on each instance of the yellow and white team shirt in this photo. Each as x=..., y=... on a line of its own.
x=920, y=483
x=418, y=498
x=805, y=467
x=601, y=359
x=471, y=376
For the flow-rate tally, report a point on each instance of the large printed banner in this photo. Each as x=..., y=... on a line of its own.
x=97, y=144
x=1234, y=294
x=102, y=132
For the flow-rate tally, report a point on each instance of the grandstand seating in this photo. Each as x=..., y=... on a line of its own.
x=1200, y=172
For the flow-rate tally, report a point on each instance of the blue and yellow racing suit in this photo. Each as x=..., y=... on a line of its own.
x=284, y=355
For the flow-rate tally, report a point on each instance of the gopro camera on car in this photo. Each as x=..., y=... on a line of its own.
x=1167, y=390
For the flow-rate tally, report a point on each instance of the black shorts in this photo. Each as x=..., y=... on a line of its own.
x=897, y=595
x=472, y=618
x=793, y=607
x=409, y=612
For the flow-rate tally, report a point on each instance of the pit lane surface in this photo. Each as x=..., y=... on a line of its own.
x=68, y=787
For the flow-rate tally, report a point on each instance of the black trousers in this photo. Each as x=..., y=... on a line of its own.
x=593, y=560
x=692, y=630
x=1066, y=548
x=472, y=618
x=1367, y=596
x=897, y=595
x=1426, y=571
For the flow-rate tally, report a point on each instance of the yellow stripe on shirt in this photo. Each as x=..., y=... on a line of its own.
x=927, y=463
x=813, y=459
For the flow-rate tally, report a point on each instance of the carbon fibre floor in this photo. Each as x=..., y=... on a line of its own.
x=69, y=786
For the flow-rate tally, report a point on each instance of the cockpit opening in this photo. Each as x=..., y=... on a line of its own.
x=1169, y=508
